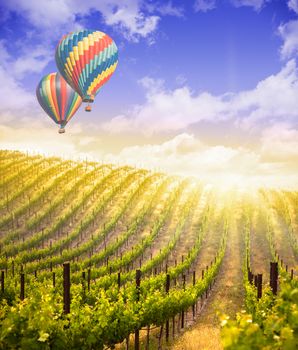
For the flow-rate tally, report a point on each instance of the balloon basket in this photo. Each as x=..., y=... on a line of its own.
x=61, y=131
x=88, y=108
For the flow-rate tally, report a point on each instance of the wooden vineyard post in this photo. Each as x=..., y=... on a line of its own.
x=2, y=281
x=84, y=283
x=167, y=322
x=22, y=294
x=119, y=280
x=182, y=313
x=259, y=285
x=292, y=274
x=256, y=281
x=54, y=279
x=210, y=285
x=203, y=274
x=194, y=305
x=207, y=285
x=66, y=288
x=89, y=279
x=137, y=332
x=250, y=277
x=273, y=277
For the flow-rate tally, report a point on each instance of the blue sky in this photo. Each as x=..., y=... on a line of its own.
x=210, y=80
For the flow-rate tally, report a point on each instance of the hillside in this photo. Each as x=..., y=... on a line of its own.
x=150, y=255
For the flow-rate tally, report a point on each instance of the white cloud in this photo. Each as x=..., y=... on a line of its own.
x=29, y=60
x=280, y=143
x=274, y=98
x=289, y=34
x=204, y=5
x=168, y=111
x=168, y=9
x=15, y=100
x=186, y=155
x=39, y=138
x=293, y=5
x=131, y=20
x=52, y=16
x=44, y=14
x=256, y=4
x=12, y=94
x=207, y=5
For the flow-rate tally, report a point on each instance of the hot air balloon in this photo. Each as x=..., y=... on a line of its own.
x=86, y=59
x=57, y=99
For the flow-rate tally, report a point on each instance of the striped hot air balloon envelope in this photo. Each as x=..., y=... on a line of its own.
x=86, y=59
x=57, y=99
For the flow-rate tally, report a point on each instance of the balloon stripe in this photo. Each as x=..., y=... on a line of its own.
x=70, y=99
x=58, y=86
x=100, y=67
x=49, y=95
x=48, y=102
x=63, y=96
x=102, y=79
x=71, y=107
x=100, y=73
x=54, y=97
x=75, y=106
x=43, y=102
x=105, y=43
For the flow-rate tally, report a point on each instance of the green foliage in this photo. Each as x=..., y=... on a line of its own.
x=106, y=314
x=274, y=327
x=270, y=322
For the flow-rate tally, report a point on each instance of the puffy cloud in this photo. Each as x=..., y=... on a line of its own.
x=13, y=96
x=186, y=155
x=293, y=5
x=280, y=143
x=273, y=163
x=274, y=98
x=52, y=16
x=207, y=5
x=46, y=14
x=289, y=34
x=130, y=19
x=256, y=4
x=168, y=111
x=169, y=9
x=39, y=138
x=204, y=5
x=15, y=100
x=29, y=60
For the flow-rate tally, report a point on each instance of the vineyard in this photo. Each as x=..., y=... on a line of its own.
x=94, y=256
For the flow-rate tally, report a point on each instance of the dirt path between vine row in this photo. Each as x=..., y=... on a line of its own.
x=226, y=296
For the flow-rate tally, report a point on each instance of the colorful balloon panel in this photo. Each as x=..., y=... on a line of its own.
x=57, y=98
x=86, y=59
